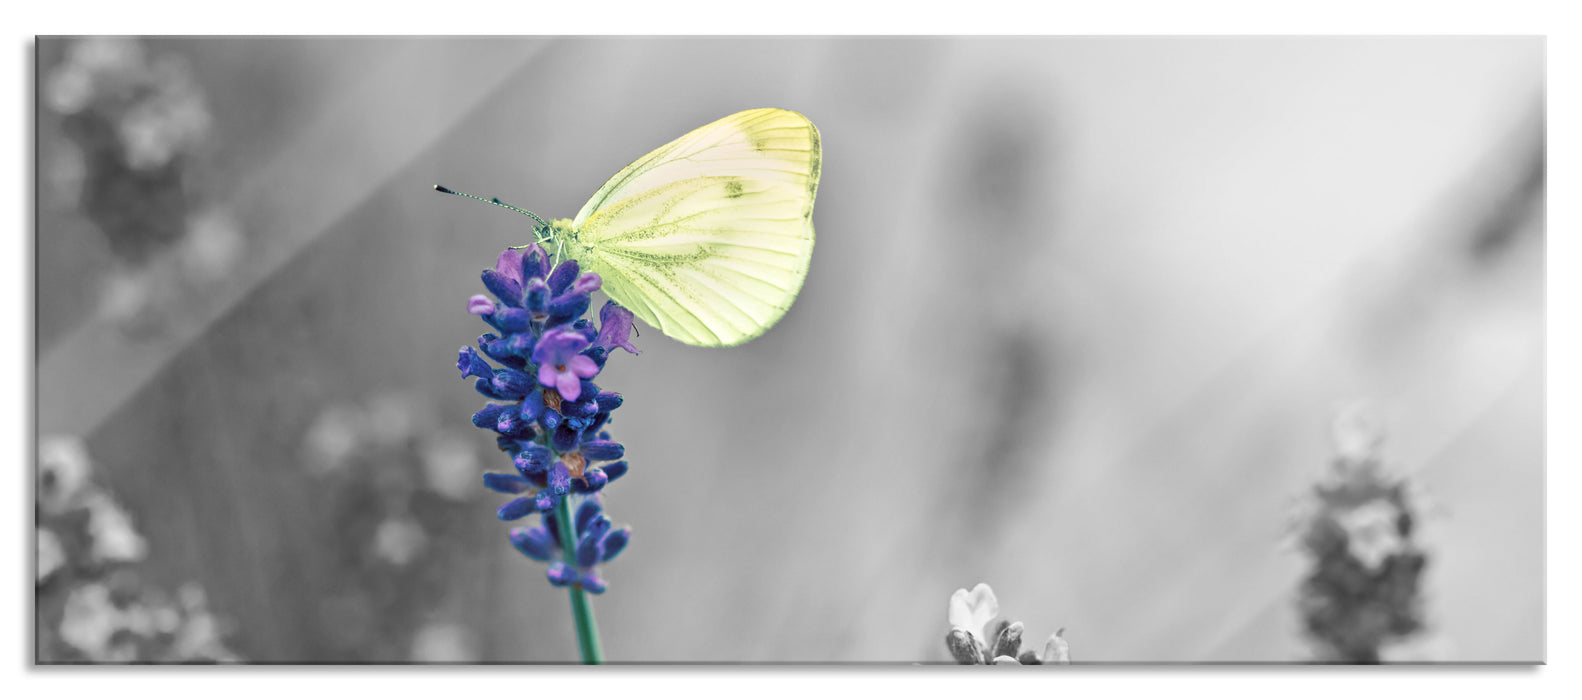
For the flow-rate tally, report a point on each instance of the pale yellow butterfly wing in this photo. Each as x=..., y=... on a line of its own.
x=709, y=237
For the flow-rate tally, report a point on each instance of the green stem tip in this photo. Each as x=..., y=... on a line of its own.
x=581, y=607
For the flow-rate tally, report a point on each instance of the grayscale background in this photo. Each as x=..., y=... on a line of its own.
x=1080, y=313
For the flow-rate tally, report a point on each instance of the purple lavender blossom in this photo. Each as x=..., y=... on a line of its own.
x=560, y=365
x=473, y=366
x=615, y=325
x=596, y=540
x=549, y=415
x=505, y=280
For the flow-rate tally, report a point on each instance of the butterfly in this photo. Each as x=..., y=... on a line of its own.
x=708, y=238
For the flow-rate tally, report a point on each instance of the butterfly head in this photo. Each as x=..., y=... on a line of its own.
x=557, y=238
x=554, y=236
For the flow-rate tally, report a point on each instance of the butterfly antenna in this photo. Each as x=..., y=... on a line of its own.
x=495, y=201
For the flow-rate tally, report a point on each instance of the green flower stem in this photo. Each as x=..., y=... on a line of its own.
x=588, y=646
x=581, y=607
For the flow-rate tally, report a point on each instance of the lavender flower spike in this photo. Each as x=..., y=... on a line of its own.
x=551, y=416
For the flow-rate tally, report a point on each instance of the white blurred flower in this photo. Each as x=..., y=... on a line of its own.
x=969, y=642
x=333, y=439
x=154, y=131
x=196, y=637
x=94, y=66
x=213, y=245
x=51, y=555
x=114, y=538
x=1358, y=433
x=199, y=637
x=64, y=470
x=182, y=97
x=68, y=89
x=1056, y=650
x=125, y=297
x=393, y=418
x=108, y=54
x=443, y=643
x=1371, y=532
x=399, y=540
x=192, y=598
x=973, y=610
x=147, y=140
x=90, y=620
x=163, y=111
x=451, y=466
x=138, y=619
x=165, y=619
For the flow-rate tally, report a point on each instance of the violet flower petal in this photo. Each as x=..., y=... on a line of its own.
x=509, y=265
x=583, y=366
x=615, y=327
x=569, y=386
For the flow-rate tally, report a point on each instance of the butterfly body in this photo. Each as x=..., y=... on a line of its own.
x=707, y=238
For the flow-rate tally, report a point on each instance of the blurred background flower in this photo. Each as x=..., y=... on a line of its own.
x=393, y=475
x=94, y=600
x=129, y=131
x=978, y=635
x=1362, y=596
